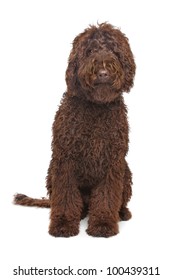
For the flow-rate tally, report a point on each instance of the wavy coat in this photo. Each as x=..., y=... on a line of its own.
x=88, y=172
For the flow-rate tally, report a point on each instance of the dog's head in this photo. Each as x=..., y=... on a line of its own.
x=101, y=64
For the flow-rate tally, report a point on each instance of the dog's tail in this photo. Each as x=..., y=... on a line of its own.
x=21, y=199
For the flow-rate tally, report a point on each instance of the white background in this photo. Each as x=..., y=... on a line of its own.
x=35, y=41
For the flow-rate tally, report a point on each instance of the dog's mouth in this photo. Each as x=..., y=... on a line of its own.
x=102, y=83
x=113, y=82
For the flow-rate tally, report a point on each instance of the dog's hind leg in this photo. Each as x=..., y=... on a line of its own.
x=124, y=212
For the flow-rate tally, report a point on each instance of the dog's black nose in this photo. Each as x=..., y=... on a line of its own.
x=103, y=75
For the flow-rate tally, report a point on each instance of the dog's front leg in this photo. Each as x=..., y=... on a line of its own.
x=104, y=205
x=66, y=203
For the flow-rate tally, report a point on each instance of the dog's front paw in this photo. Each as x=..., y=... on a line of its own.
x=103, y=229
x=63, y=229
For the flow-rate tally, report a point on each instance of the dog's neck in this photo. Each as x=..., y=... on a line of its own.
x=86, y=103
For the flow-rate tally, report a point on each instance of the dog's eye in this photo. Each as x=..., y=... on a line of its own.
x=89, y=51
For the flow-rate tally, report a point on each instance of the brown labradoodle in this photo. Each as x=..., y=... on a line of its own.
x=88, y=173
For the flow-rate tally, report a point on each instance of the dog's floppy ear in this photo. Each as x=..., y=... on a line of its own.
x=71, y=77
x=126, y=58
x=71, y=72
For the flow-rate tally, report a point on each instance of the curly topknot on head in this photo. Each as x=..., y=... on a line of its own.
x=101, y=64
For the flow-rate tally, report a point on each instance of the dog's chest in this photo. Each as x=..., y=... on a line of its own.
x=92, y=139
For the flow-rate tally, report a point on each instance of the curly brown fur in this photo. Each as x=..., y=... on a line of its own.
x=88, y=173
